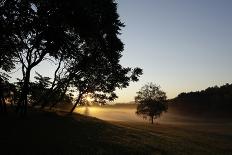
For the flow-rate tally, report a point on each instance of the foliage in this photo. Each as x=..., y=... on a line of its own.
x=40, y=89
x=77, y=31
x=101, y=77
x=6, y=52
x=4, y=76
x=151, y=101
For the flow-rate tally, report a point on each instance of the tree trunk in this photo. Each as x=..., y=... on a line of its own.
x=23, y=102
x=57, y=101
x=152, y=118
x=62, y=95
x=50, y=92
x=78, y=101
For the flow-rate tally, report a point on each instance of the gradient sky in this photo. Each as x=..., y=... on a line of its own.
x=181, y=45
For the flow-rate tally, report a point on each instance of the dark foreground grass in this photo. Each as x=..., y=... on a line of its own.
x=59, y=133
x=187, y=139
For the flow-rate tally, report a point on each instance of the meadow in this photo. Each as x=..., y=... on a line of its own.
x=46, y=132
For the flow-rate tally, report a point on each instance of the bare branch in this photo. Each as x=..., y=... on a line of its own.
x=55, y=74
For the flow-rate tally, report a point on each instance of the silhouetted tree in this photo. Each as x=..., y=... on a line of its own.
x=97, y=73
x=151, y=102
x=25, y=30
x=40, y=95
x=36, y=30
x=38, y=89
x=6, y=52
x=101, y=81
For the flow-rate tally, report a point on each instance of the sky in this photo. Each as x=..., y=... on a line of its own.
x=181, y=45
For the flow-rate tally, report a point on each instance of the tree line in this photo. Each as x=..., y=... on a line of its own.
x=211, y=99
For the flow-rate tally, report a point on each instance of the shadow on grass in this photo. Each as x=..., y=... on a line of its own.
x=59, y=133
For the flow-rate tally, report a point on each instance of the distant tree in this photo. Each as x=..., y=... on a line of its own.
x=151, y=102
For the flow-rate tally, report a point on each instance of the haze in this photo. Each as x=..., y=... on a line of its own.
x=126, y=113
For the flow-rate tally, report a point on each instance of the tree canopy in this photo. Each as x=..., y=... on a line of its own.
x=80, y=34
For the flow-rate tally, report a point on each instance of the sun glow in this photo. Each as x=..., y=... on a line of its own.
x=89, y=99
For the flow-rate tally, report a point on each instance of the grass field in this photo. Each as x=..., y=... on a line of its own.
x=59, y=133
x=186, y=139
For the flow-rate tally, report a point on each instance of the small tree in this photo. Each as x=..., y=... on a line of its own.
x=38, y=89
x=151, y=102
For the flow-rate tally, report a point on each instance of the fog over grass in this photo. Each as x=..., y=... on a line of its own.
x=126, y=113
x=110, y=113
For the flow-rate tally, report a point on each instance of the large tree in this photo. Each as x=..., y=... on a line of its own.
x=97, y=73
x=151, y=102
x=34, y=30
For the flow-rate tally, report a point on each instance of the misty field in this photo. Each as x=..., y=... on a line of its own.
x=173, y=133
x=126, y=113
x=61, y=133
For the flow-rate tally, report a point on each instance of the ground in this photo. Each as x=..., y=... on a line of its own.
x=59, y=133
